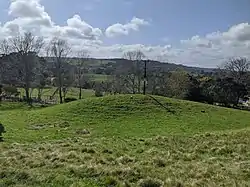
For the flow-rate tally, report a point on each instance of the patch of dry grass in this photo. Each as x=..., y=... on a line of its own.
x=200, y=160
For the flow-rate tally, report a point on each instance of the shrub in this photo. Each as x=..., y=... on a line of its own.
x=2, y=130
x=98, y=93
x=10, y=90
x=69, y=99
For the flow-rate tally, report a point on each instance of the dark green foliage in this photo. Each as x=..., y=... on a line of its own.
x=110, y=182
x=69, y=99
x=225, y=90
x=206, y=88
x=1, y=91
x=10, y=90
x=98, y=93
x=228, y=92
x=2, y=130
x=194, y=91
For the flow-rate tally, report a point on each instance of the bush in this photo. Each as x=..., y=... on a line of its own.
x=98, y=93
x=10, y=90
x=2, y=130
x=69, y=99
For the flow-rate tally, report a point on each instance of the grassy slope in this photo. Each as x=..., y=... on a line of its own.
x=131, y=138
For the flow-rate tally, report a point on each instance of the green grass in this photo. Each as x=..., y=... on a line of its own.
x=98, y=77
x=133, y=141
x=72, y=92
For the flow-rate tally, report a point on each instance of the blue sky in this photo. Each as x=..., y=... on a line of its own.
x=173, y=19
x=168, y=22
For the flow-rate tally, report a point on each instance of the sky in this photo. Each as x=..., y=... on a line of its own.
x=203, y=33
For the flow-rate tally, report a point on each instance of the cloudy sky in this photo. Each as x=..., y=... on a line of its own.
x=196, y=33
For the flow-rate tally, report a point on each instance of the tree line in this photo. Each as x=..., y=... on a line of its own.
x=22, y=67
x=227, y=86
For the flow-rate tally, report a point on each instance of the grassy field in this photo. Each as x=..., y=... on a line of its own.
x=132, y=141
x=98, y=77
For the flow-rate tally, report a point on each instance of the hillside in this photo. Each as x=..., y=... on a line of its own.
x=125, y=140
x=112, y=65
x=164, y=66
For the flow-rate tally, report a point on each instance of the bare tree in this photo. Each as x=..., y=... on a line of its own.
x=26, y=47
x=178, y=83
x=4, y=60
x=41, y=77
x=82, y=57
x=136, y=73
x=4, y=47
x=157, y=82
x=59, y=50
x=236, y=68
x=68, y=79
x=116, y=85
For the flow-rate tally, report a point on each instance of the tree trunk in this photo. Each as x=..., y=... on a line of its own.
x=237, y=100
x=26, y=78
x=39, y=94
x=144, y=87
x=27, y=94
x=31, y=91
x=1, y=91
x=139, y=85
x=80, y=93
x=64, y=93
x=59, y=80
x=133, y=85
x=60, y=95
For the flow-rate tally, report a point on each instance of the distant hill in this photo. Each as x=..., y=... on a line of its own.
x=166, y=66
x=109, y=66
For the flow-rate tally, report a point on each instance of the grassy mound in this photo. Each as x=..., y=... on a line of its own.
x=124, y=116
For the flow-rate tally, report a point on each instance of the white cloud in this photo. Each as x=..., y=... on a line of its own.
x=207, y=51
x=204, y=51
x=82, y=29
x=120, y=29
x=216, y=47
x=30, y=15
x=26, y=8
x=30, y=11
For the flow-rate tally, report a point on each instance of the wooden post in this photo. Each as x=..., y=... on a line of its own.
x=145, y=77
